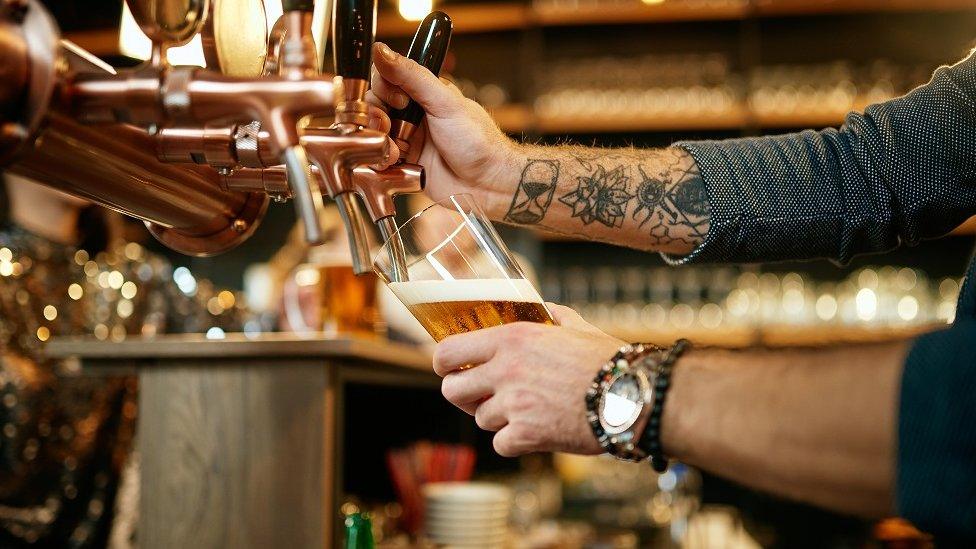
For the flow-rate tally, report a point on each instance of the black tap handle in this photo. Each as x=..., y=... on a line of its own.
x=298, y=5
x=429, y=48
x=353, y=34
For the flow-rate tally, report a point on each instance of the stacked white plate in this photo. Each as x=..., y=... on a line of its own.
x=467, y=514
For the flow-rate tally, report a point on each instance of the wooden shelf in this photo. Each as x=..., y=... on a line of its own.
x=636, y=13
x=775, y=335
x=814, y=120
x=520, y=118
x=467, y=18
x=513, y=118
x=510, y=16
x=782, y=8
x=730, y=119
x=473, y=18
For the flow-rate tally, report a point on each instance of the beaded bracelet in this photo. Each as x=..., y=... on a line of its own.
x=650, y=441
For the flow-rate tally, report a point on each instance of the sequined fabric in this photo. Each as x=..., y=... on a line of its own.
x=65, y=437
x=903, y=171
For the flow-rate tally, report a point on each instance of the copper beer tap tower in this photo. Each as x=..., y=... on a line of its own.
x=197, y=153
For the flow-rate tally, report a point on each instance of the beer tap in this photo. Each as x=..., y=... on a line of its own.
x=348, y=143
x=337, y=154
x=428, y=48
x=155, y=94
x=334, y=146
x=110, y=164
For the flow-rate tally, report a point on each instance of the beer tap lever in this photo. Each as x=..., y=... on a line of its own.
x=353, y=34
x=428, y=48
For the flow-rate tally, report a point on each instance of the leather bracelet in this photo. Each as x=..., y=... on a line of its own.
x=650, y=441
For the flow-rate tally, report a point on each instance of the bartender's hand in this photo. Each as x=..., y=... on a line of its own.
x=528, y=381
x=459, y=145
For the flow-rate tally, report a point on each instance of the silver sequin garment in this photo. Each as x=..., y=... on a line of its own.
x=65, y=437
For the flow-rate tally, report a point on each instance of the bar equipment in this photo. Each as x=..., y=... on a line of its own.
x=198, y=153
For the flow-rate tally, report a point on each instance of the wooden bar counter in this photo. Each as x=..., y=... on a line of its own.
x=240, y=438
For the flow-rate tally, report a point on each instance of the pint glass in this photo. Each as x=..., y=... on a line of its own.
x=450, y=268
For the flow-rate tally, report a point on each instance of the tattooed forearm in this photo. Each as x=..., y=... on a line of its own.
x=651, y=199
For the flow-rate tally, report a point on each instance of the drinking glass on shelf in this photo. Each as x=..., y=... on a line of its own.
x=453, y=272
x=324, y=295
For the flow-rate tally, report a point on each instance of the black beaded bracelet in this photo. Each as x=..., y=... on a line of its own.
x=650, y=441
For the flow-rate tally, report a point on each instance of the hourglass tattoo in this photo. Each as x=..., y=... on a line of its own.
x=674, y=197
x=534, y=193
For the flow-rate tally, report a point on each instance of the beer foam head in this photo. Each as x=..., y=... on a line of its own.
x=482, y=289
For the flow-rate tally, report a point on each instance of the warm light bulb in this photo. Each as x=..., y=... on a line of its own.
x=652, y=2
x=866, y=302
x=134, y=43
x=415, y=10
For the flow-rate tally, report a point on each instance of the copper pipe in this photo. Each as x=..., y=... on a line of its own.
x=245, y=145
x=377, y=189
x=115, y=166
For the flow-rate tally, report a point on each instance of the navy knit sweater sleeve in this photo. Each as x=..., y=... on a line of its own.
x=901, y=172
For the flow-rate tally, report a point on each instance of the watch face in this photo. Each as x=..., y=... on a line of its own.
x=622, y=404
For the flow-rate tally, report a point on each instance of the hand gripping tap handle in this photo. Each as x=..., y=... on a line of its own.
x=428, y=48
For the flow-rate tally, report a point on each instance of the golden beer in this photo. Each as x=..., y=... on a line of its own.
x=448, y=307
x=333, y=299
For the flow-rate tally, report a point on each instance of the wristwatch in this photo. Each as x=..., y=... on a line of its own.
x=620, y=398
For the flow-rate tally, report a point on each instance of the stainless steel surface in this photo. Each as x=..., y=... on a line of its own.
x=355, y=222
x=308, y=200
x=388, y=229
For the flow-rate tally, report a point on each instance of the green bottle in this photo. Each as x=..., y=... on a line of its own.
x=359, y=532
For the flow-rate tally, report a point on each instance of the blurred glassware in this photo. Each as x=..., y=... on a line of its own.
x=324, y=295
x=642, y=301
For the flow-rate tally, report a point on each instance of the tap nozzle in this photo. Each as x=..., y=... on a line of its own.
x=355, y=221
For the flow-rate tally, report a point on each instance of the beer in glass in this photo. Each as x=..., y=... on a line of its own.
x=453, y=272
